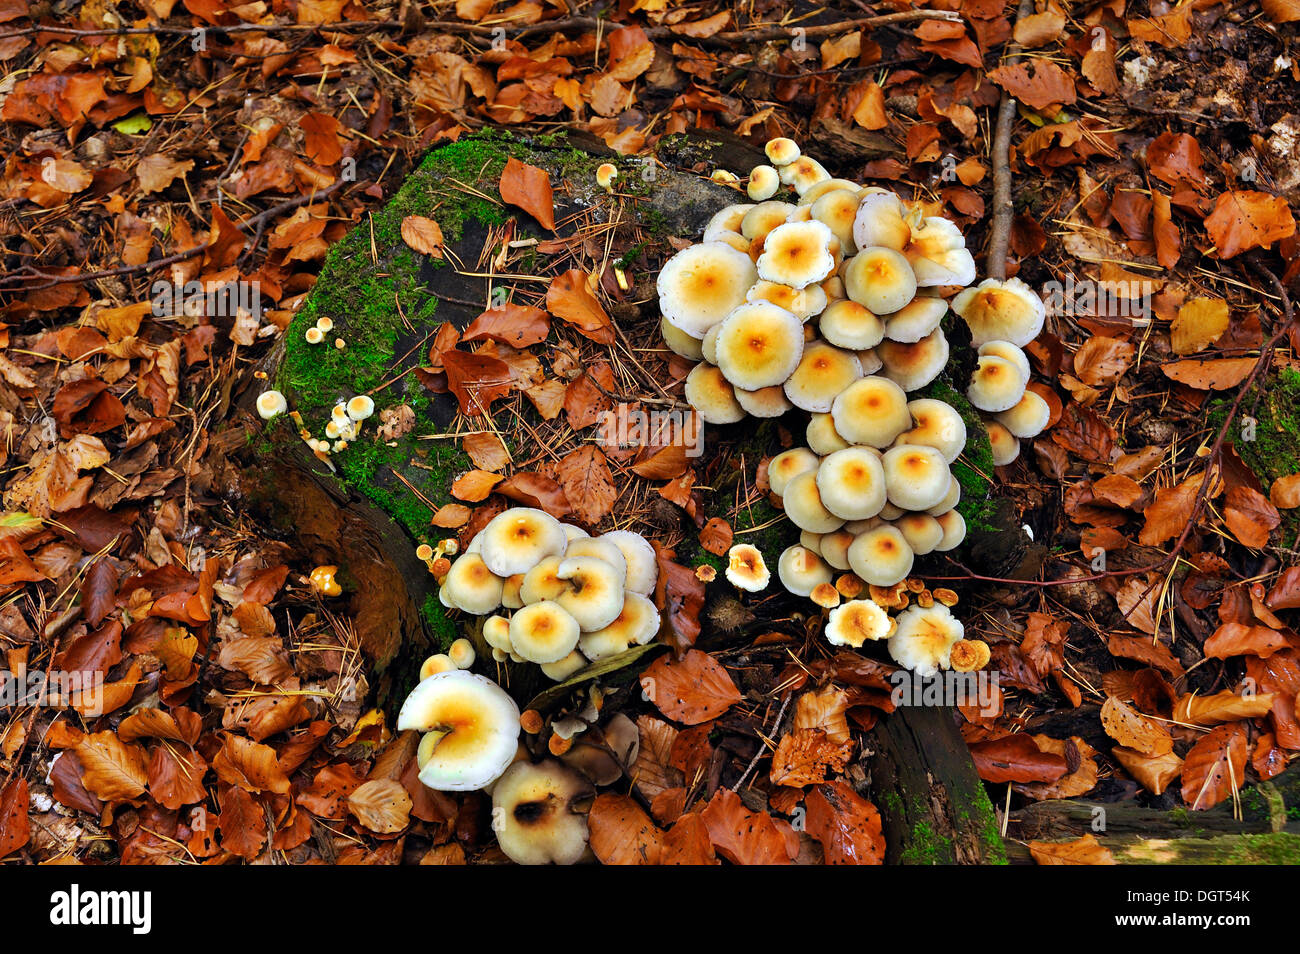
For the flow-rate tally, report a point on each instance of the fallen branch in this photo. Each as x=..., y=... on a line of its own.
x=1003, y=209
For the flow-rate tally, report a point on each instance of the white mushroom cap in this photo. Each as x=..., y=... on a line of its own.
x=712, y=395
x=1028, y=417
x=542, y=582
x=636, y=624
x=851, y=483
x=477, y=725
x=836, y=209
x=954, y=530
x=850, y=325
x=763, y=218
x=804, y=173
x=594, y=596
x=822, y=373
x=917, y=476
x=543, y=632
x=765, y=402
x=639, y=554
x=540, y=812
x=758, y=345
x=812, y=541
x=736, y=241
x=833, y=547
x=938, y=253
x=800, y=213
x=701, y=284
x=573, y=532
x=923, y=638
x=915, y=320
x=763, y=183
x=709, y=344
x=361, y=407
x=881, y=221
x=800, y=570
x=950, y=499
x=438, y=662
x=726, y=220
x=496, y=632
x=562, y=669
x=870, y=361
x=881, y=556
x=1005, y=446
x=781, y=151
x=995, y=385
x=855, y=622
x=821, y=435
x=871, y=410
x=1001, y=311
x=815, y=192
x=922, y=532
x=461, y=653
x=1005, y=349
x=679, y=342
x=746, y=568
x=602, y=549
x=271, y=403
x=470, y=586
x=802, y=302
x=797, y=254
x=788, y=464
x=880, y=278
x=938, y=425
x=516, y=539
x=913, y=366
x=803, y=505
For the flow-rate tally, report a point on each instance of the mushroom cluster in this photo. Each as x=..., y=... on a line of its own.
x=572, y=598
x=344, y=425
x=830, y=299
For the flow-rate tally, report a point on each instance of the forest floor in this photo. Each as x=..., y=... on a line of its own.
x=1142, y=637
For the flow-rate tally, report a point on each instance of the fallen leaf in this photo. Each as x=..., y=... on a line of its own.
x=569, y=299
x=1209, y=374
x=113, y=770
x=1037, y=83
x=1241, y=221
x=1133, y=730
x=1238, y=639
x=622, y=833
x=588, y=483
x=1152, y=772
x=1224, y=706
x=381, y=805
x=529, y=188
x=691, y=691
x=1215, y=767
x=423, y=234
x=846, y=824
x=1016, y=758
x=1199, y=324
x=1250, y=516
x=744, y=837
x=1082, y=851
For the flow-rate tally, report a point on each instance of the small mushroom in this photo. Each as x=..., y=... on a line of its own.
x=913, y=366
x=726, y=220
x=606, y=173
x=996, y=384
x=938, y=425
x=822, y=373
x=800, y=570
x=639, y=555
x=848, y=324
x=857, y=622
x=461, y=653
x=323, y=582
x=1001, y=311
x=923, y=638
x=954, y=530
x=701, y=284
x=765, y=402
x=881, y=556
x=515, y=540
x=763, y=183
x=1006, y=448
x=871, y=410
x=763, y=218
x=797, y=254
x=543, y=632
x=758, y=345
x=593, y=596
x=746, y=568
x=804, y=506
x=1029, y=416
x=922, y=532
x=636, y=624
x=787, y=465
x=360, y=407
x=270, y=404
x=915, y=320
x=851, y=484
x=542, y=582
x=562, y=669
x=917, y=476
x=472, y=587
x=781, y=151
x=712, y=396
x=439, y=662
x=314, y=335
x=679, y=342
x=880, y=279
x=821, y=435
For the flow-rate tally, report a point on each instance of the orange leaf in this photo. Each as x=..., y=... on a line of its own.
x=114, y=771
x=422, y=234
x=485, y=450
x=716, y=536
x=1241, y=221
x=569, y=299
x=744, y=837
x=1152, y=772
x=588, y=483
x=622, y=833
x=474, y=485
x=15, y=826
x=846, y=824
x=516, y=325
x=476, y=379
x=1016, y=758
x=1237, y=639
x=536, y=490
x=1250, y=517
x=249, y=765
x=323, y=145
x=1037, y=83
x=529, y=188
x=1215, y=767
x=1134, y=730
x=630, y=53
x=691, y=691
x=1082, y=851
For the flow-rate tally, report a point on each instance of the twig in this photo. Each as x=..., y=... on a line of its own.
x=1003, y=209
x=762, y=748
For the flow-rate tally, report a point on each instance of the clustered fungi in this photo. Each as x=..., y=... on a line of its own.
x=344, y=425
x=832, y=303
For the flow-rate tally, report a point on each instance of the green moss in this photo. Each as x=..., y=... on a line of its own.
x=974, y=469
x=980, y=816
x=1280, y=848
x=442, y=629
x=926, y=846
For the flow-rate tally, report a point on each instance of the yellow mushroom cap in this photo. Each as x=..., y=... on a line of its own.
x=833, y=547
x=967, y=656
x=1005, y=349
x=540, y=813
x=515, y=540
x=601, y=549
x=781, y=151
x=439, y=662
x=1028, y=417
x=787, y=465
x=797, y=254
x=922, y=532
x=542, y=582
x=856, y=622
x=849, y=324
x=606, y=173
x=477, y=725
x=746, y=568
x=726, y=220
x=821, y=435
x=802, y=302
x=360, y=407
x=800, y=570
x=758, y=345
x=804, y=173
x=938, y=254
x=996, y=384
x=594, y=596
x=1001, y=311
x=472, y=587
x=765, y=402
x=763, y=183
x=825, y=595
x=881, y=556
x=712, y=396
x=825, y=187
x=562, y=669
x=950, y=499
x=543, y=632
x=636, y=624
x=679, y=342
x=851, y=483
x=836, y=209
x=639, y=555
x=938, y=425
x=915, y=320
x=954, y=530
x=923, y=638
x=461, y=653
x=1006, y=448
x=271, y=403
x=913, y=366
x=803, y=505
x=314, y=335
x=763, y=218
x=917, y=476
x=881, y=221
x=496, y=631
x=823, y=372
x=871, y=410
x=701, y=284
x=879, y=278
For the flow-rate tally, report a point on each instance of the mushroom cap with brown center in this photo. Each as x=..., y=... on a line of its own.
x=543, y=632
x=712, y=396
x=516, y=539
x=938, y=425
x=857, y=622
x=803, y=505
x=636, y=624
x=797, y=254
x=746, y=568
x=1001, y=311
x=996, y=384
x=800, y=570
x=871, y=410
x=702, y=284
x=851, y=483
x=594, y=596
x=881, y=556
x=917, y=476
x=758, y=345
x=880, y=278
x=923, y=638
x=822, y=373
x=787, y=465
x=848, y=324
x=913, y=366
x=540, y=813
x=477, y=726
x=471, y=587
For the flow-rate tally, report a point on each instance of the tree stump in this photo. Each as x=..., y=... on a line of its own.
x=369, y=506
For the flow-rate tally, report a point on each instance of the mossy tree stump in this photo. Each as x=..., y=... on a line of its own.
x=371, y=508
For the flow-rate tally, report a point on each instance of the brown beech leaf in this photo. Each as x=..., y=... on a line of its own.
x=1168, y=513
x=846, y=824
x=15, y=825
x=113, y=770
x=1280, y=675
x=1242, y=220
x=381, y=805
x=1133, y=730
x=1215, y=767
x=536, y=490
x=1284, y=493
x=716, y=536
x=1175, y=158
x=474, y=485
x=1198, y=324
x=486, y=450
x=804, y=756
x=1016, y=758
x=516, y=325
x=622, y=833
x=1078, y=781
x=1152, y=772
x=176, y=775
x=679, y=594
x=588, y=483
x=691, y=691
x=242, y=822
x=664, y=464
x=1238, y=639
x=249, y=765
x=1250, y=516
x=569, y=299
x=1082, y=851
x=1224, y=706
x=1102, y=360
x=630, y=53
x=1037, y=83
x=1209, y=374
x=476, y=379
x=529, y=188
x=423, y=234
x=744, y=837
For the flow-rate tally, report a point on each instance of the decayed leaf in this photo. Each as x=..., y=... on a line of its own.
x=1215, y=767
x=529, y=188
x=476, y=379
x=1225, y=706
x=1209, y=374
x=1082, y=851
x=804, y=756
x=249, y=765
x=1199, y=323
x=1249, y=516
x=846, y=824
x=1134, y=730
x=242, y=822
x=1152, y=772
x=15, y=826
x=381, y=805
x=569, y=299
x=588, y=483
x=1016, y=758
x=114, y=771
x=744, y=837
x=1243, y=220
x=1240, y=639
x=691, y=691
x=157, y=172
x=1284, y=493
x=1038, y=83
x=423, y=234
